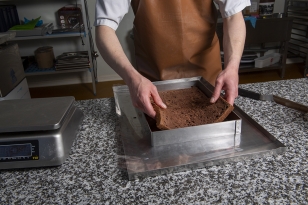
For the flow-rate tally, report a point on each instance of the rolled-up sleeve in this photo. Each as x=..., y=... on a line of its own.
x=230, y=7
x=110, y=12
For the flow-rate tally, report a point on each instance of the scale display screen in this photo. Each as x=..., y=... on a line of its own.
x=19, y=151
x=16, y=150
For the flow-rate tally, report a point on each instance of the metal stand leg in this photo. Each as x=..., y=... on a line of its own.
x=93, y=81
x=284, y=58
x=306, y=67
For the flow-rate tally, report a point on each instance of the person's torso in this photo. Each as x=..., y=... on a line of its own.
x=176, y=39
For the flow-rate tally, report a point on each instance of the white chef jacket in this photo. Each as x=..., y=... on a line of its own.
x=111, y=12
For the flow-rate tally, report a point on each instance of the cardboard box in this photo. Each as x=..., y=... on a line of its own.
x=70, y=17
x=21, y=91
x=11, y=69
x=267, y=60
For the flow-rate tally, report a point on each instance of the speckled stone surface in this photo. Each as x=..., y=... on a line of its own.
x=90, y=175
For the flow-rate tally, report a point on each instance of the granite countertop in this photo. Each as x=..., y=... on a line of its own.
x=90, y=175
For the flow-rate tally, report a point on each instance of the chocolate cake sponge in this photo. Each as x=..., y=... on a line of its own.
x=189, y=107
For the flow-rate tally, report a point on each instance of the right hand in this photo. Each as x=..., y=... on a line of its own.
x=141, y=90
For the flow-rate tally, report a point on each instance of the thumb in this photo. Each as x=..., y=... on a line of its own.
x=216, y=93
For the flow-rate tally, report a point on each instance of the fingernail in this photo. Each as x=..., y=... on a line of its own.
x=164, y=105
x=212, y=100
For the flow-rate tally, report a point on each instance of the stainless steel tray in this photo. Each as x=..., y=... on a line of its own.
x=143, y=159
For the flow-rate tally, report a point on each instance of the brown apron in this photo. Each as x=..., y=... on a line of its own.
x=176, y=39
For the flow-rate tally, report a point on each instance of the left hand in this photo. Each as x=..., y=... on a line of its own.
x=233, y=45
x=227, y=80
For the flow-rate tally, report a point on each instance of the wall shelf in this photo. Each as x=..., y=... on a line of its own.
x=47, y=36
x=33, y=70
x=251, y=68
x=70, y=41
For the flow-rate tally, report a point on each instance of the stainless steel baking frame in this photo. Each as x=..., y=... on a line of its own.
x=145, y=157
x=229, y=127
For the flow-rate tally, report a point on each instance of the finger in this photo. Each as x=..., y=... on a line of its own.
x=143, y=105
x=216, y=92
x=157, y=100
x=231, y=95
x=230, y=99
x=148, y=108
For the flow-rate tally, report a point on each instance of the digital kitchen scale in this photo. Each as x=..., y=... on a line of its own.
x=37, y=132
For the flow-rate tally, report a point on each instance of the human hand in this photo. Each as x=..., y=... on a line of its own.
x=141, y=91
x=227, y=80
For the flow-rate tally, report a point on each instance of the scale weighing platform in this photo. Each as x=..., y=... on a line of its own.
x=37, y=132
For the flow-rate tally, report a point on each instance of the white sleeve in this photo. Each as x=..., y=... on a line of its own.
x=230, y=7
x=110, y=12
